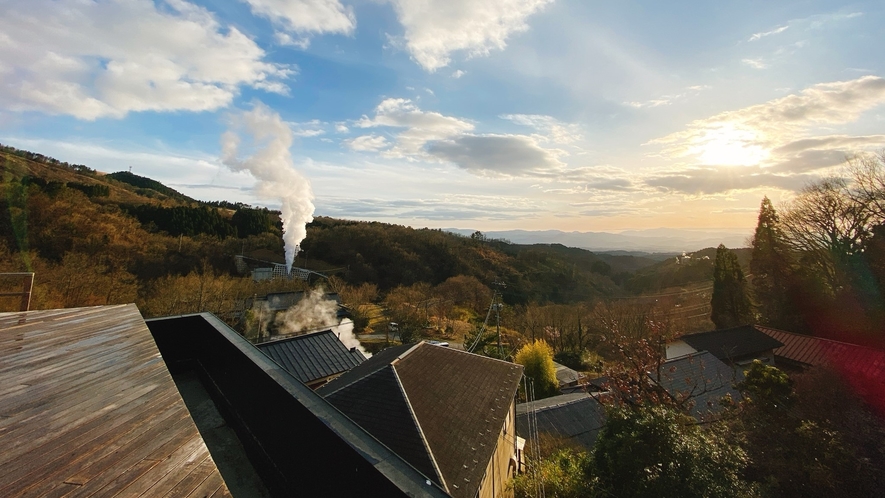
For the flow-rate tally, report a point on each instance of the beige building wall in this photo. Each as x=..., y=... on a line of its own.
x=502, y=465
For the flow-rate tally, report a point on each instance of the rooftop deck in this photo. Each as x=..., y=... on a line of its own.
x=88, y=407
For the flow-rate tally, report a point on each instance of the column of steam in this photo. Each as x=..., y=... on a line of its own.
x=271, y=164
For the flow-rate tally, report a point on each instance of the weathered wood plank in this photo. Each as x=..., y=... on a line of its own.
x=88, y=408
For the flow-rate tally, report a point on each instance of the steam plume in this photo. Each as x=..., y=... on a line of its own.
x=271, y=164
x=315, y=312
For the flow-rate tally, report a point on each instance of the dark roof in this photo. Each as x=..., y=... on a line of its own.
x=576, y=418
x=700, y=379
x=311, y=357
x=299, y=443
x=733, y=343
x=88, y=406
x=566, y=375
x=459, y=402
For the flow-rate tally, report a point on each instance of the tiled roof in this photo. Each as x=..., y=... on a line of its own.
x=88, y=407
x=700, y=379
x=459, y=402
x=577, y=418
x=732, y=343
x=312, y=357
x=816, y=351
x=385, y=414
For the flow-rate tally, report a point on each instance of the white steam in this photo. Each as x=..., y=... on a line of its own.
x=314, y=312
x=271, y=164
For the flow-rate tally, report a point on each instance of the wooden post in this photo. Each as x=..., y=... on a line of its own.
x=27, y=285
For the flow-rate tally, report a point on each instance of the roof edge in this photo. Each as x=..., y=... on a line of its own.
x=436, y=468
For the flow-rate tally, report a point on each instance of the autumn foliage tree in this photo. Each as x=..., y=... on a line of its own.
x=537, y=359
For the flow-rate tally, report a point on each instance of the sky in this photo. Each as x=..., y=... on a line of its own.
x=576, y=115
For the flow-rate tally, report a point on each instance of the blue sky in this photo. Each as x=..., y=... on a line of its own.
x=495, y=115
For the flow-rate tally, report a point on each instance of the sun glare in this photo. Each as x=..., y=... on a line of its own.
x=727, y=145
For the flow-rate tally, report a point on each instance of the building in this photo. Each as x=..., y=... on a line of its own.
x=861, y=367
x=314, y=358
x=699, y=381
x=575, y=419
x=447, y=412
x=567, y=377
x=737, y=346
x=96, y=401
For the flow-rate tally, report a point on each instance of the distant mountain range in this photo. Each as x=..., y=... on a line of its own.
x=653, y=240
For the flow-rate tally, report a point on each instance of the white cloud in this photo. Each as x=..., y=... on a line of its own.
x=552, y=129
x=287, y=40
x=108, y=58
x=457, y=74
x=757, y=63
x=757, y=36
x=755, y=132
x=774, y=144
x=436, y=28
x=420, y=126
x=306, y=16
x=341, y=128
x=367, y=143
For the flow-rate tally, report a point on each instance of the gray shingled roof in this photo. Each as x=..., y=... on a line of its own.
x=458, y=401
x=700, y=379
x=733, y=343
x=577, y=418
x=312, y=357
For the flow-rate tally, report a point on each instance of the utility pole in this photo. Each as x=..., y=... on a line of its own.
x=499, y=285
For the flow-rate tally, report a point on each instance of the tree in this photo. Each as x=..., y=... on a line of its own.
x=537, y=359
x=730, y=301
x=770, y=269
x=828, y=226
x=658, y=451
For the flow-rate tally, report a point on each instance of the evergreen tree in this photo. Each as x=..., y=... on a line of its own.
x=770, y=269
x=730, y=301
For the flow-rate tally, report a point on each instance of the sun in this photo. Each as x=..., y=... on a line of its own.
x=728, y=145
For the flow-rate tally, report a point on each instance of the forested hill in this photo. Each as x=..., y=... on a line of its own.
x=393, y=255
x=134, y=230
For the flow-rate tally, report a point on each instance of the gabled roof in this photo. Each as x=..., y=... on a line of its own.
x=311, y=357
x=577, y=418
x=88, y=406
x=700, y=379
x=733, y=343
x=566, y=375
x=458, y=403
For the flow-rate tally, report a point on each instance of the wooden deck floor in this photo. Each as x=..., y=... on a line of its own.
x=88, y=408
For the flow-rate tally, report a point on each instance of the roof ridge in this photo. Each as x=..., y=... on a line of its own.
x=402, y=389
x=815, y=338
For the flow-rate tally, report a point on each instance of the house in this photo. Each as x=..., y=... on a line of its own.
x=698, y=381
x=566, y=376
x=863, y=368
x=575, y=419
x=737, y=346
x=314, y=358
x=447, y=412
x=96, y=401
